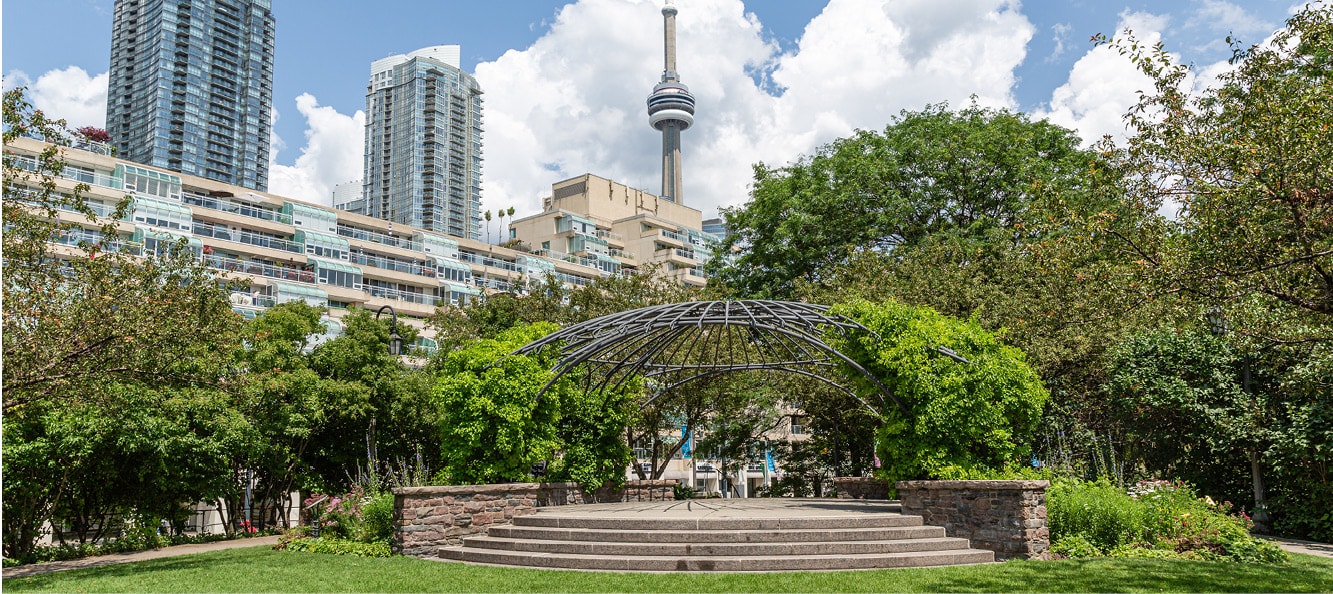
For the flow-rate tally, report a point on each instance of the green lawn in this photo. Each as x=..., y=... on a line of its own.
x=263, y=570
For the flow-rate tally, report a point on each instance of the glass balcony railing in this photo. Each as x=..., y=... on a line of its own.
x=202, y=229
x=227, y=264
x=245, y=210
x=365, y=259
x=485, y=260
x=395, y=294
x=390, y=240
x=79, y=175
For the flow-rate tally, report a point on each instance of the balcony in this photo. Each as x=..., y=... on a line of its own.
x=397, y=295
x=374, y=237
x=202, y=229
x=226, y=264
x=236, y=208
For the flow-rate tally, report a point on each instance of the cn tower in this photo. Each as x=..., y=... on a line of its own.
x=671, y=110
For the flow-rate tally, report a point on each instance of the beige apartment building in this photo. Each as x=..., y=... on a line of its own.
x=613, y=227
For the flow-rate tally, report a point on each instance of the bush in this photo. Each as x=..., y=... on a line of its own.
x=1099, y=512
x=682, y=492
x=377, y=519
x=1075, y=546
x=334, y=546
x=1155, y=520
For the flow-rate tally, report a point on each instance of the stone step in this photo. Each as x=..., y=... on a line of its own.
x=726, y=549
x=722, y=563
x=887, y=520
x=714, y=536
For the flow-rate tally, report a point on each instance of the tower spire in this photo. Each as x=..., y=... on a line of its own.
x=670, y=108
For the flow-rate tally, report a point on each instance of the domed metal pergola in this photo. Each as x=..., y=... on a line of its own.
x=678, y=343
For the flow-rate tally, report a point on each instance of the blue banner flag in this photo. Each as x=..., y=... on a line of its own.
x=687, y=450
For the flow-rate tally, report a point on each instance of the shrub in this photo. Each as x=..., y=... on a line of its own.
x=1099, y=512
x=334, y=546
x=1075, y=546
x=1155, y=520
x=377, y=518
x=681, y=492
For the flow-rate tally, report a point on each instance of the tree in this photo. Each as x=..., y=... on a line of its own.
x=493, y=427
x=91, y=329
x=398, y=416
x=960, y=417
x=1180, y=411
x=928, y=172
x=1247, y=163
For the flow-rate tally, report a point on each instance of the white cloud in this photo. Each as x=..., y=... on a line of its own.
x=573, y=102
x=1103, y=84
x=332, y=153
x=68, y=93
x=1059, y=35
x=1220, y=16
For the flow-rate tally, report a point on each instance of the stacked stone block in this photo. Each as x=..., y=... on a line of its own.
x=1008, y=517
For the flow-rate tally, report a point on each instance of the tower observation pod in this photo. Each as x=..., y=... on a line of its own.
x=671, y=110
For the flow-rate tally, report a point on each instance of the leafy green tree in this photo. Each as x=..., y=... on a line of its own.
x=287, y=402
x=93, y=329
x=1177, y=404
x=960, y=417
x=493, y=427
x=396, y=419
x=1246, y=161
x=928, y=172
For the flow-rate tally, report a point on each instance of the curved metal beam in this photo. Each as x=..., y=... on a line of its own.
x=783, y=336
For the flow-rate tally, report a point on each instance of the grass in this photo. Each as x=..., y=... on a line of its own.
x=259, y=569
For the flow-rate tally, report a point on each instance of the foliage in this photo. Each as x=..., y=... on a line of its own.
x=356, y=515
x=131, y=542
x=591, y=432
x=1155, y=520
x=979, y=414
x=1247, y=161
x=681, y=492
x=112, y=362
x=884, y=191
x=335, y=546
x=493, y=427
x=394, y=415
x=1176, y=397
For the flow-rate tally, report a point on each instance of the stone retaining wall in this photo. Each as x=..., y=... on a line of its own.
x=430, y=517
x=1008, y=517
x=649, y=490
x=859, y=487
x=427, y=518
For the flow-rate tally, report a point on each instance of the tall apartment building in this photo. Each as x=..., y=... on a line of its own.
x=423, y=143
x=191, y=87
x=291, y=250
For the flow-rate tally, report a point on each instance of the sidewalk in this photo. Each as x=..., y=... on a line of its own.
x=189, y=549
x=1308, y=547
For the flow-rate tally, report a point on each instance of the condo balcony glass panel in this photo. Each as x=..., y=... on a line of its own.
x=238, y=208
x=332, y=272
x=161, y=242
x=311, y=218
x=322, y=244
x=283, y=292
x=146, y=182
x=161, y=214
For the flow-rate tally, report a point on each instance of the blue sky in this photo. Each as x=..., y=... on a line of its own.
x=565, y=81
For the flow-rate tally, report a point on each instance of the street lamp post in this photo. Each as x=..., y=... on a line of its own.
x=1218, y=325
x=395, y=349
x=395, y=341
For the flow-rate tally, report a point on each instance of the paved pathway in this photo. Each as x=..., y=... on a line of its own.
x=1308, y=547
x=188, y=549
